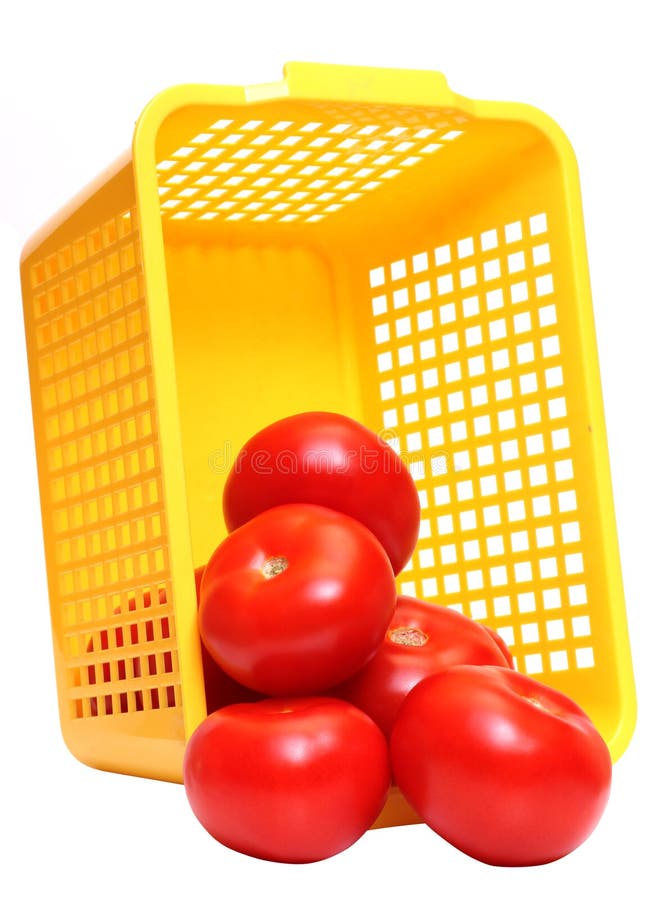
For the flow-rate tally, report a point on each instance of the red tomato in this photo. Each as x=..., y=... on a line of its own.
x=292, y=780
x=220, y=690
x=506, y=769
x=296, y=600
x=330, y=460
x=422, y=639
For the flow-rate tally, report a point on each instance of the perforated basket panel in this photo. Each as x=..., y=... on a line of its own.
x=101, y=482
x=474, y=395
x=297, y=165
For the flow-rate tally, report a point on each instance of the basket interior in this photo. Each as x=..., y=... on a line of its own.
x=410, y=267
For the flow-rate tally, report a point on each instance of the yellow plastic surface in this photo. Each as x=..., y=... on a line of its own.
x=350, y=239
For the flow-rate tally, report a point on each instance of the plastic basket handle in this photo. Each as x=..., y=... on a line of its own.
x=363, y=84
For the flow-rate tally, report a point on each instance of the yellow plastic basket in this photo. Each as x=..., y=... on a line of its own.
x=350, y=239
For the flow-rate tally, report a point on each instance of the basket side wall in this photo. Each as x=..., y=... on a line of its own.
x=101, y=485
x=469, y=316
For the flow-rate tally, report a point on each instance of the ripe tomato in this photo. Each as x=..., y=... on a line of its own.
x=292, y=780
x=422, y=639
x=220, y=690
x=330, y=460
x=296, y=600
x=506, y=769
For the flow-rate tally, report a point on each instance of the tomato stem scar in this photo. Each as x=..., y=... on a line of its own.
x=409, y=637
x=535, y=702
x=274, y=566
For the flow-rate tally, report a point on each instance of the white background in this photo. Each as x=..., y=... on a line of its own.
x=73, y=77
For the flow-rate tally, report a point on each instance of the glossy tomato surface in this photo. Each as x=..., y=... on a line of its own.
x=506, y=769
x=219, y=688
x=330, y=460
x=296, y=600
x=422, y=639
x=294, y=780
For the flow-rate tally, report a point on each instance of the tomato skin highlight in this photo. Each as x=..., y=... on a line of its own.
x=290, y=780
x=401, y=662
x=506, y=769
x=330, y=460
x=296, y=600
